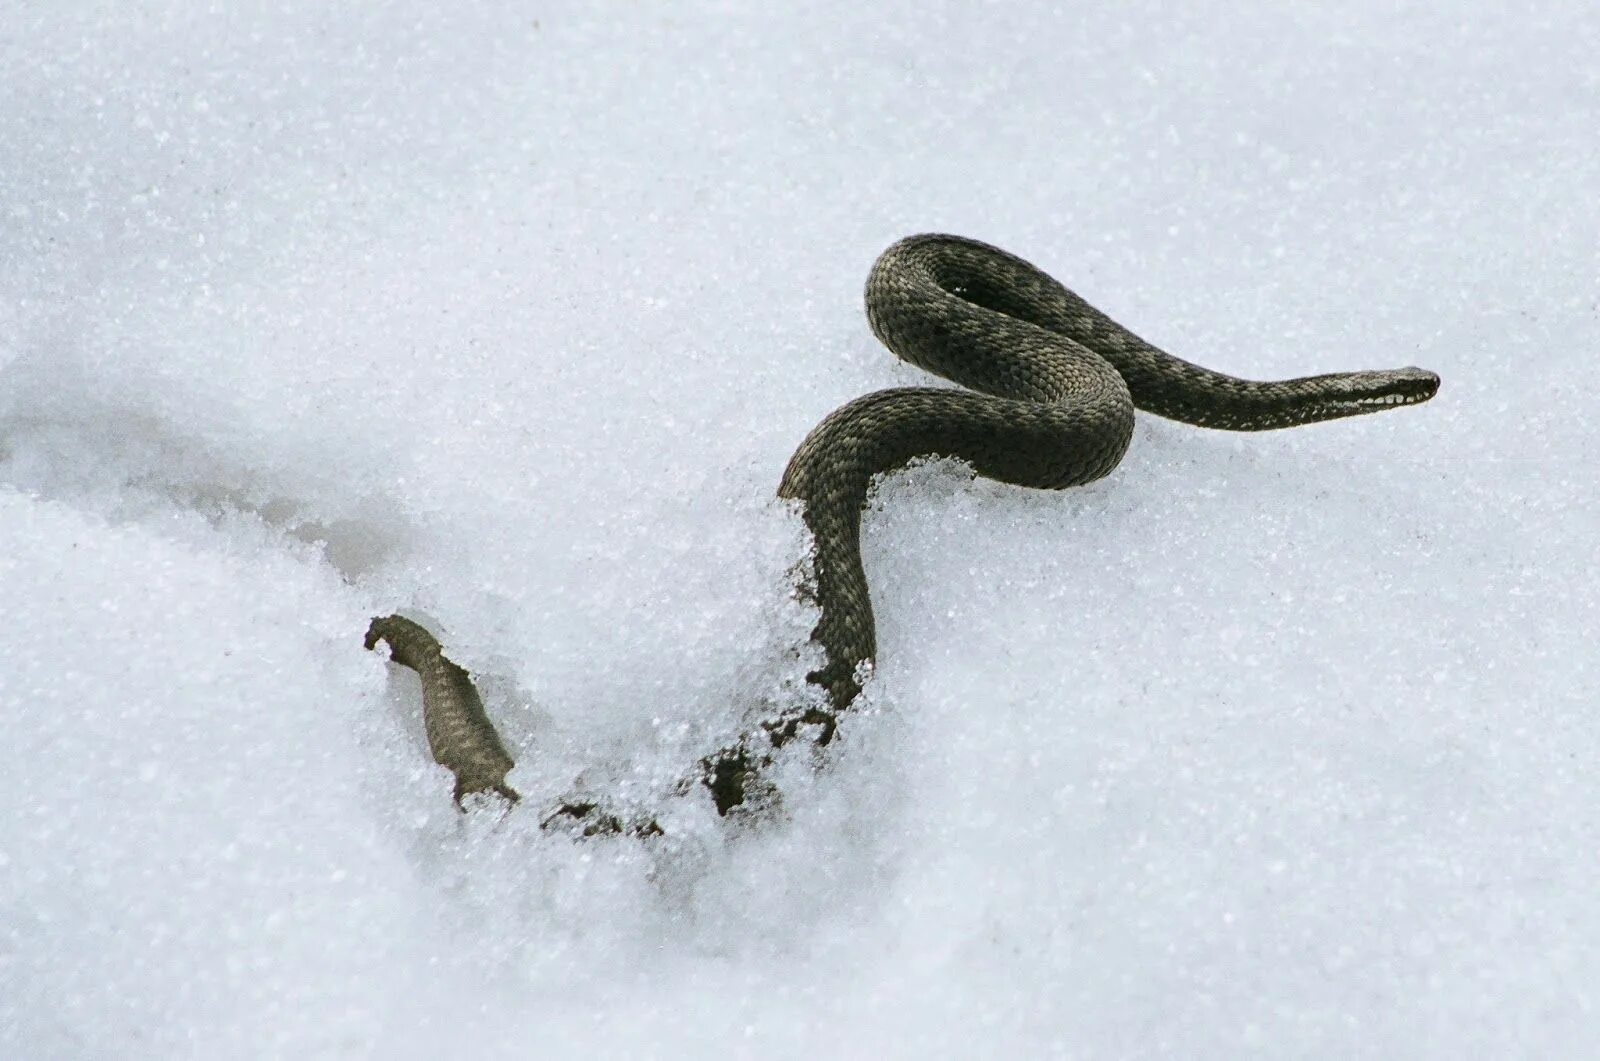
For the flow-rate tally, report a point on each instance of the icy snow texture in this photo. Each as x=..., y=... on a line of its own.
x=509, y=315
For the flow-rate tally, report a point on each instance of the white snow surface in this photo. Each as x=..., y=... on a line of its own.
x=509, y=315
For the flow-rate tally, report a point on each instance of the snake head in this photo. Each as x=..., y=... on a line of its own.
x=1330, y=397
x=1371, y=391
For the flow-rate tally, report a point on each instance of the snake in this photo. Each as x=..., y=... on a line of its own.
x=1048, y=388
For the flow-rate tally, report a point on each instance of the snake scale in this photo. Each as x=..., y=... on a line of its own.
x=1051, y=388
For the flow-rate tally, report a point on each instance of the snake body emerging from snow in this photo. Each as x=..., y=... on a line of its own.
x=1052, y=385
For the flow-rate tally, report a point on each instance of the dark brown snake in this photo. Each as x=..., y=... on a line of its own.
x=1052, y=386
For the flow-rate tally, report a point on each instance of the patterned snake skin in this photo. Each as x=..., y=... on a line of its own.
x=1052, y=386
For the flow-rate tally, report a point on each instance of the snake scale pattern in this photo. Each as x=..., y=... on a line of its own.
x=1051, y=388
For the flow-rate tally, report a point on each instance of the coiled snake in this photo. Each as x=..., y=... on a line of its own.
x=1052, y=386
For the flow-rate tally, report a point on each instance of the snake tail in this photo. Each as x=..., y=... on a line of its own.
x=460, y=734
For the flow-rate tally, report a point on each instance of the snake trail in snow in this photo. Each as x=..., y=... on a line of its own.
x=1052, y=388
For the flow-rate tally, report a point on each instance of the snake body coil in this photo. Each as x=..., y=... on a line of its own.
x=1052, y=387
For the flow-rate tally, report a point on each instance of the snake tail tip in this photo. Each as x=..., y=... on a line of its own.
x=378, y=630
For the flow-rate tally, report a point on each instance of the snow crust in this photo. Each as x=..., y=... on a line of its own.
x=509, y=316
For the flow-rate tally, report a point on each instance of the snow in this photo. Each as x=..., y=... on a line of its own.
x=509, y=315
